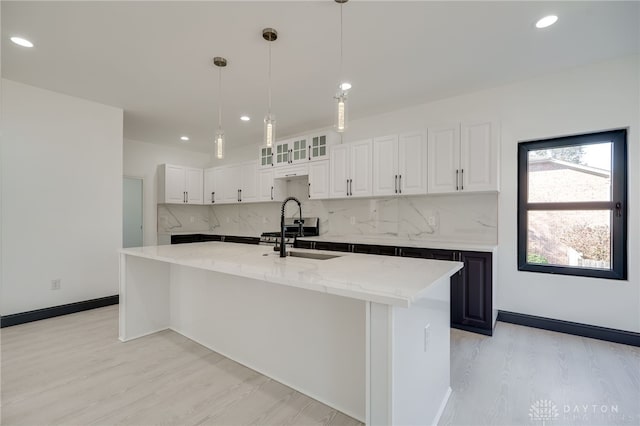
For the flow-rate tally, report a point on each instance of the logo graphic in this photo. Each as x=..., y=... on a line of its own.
x=543, y=411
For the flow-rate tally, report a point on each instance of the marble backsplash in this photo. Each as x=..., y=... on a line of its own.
x=454, y=217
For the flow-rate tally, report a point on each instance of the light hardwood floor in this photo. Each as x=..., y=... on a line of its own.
x=72, y=370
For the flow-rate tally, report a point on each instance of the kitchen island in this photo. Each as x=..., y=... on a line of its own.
x=367, y=335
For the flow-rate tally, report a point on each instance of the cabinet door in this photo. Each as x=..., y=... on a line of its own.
x=361, y=175
x=319, y=180
x=475, y=288
x=339, y=169
x=412, y=163
x=319, y=147
x=265, y=185
x=209, y=186
x=219, y=175
x=443, y=159
x=249, y=182
x=385, y=165
x=174, y=184
x=194, y=185
x=298, y=150
x=479, y=156
x=266, y=156
x=230, y=184
x=281, y=155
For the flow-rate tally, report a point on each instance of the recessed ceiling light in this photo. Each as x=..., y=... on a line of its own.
x=245, y=118
x=184, y=138
x=547, y=21
x=21, y=41
x=345, y=86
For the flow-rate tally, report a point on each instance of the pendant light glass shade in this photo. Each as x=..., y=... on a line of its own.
x=269, y=130
x=340, y=116
x=270, y=35
x=219, y=139
x=219, y=144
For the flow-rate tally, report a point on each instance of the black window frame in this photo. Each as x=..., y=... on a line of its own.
x=617, y=205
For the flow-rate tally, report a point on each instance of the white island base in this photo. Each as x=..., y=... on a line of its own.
x=336, y=330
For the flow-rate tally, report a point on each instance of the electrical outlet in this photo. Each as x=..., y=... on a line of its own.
x=353, y=220
x=427, y=336
x=431, y=221
x=56, y=284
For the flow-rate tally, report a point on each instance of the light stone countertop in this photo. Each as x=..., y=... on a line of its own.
x=389, y=280
x=235, y=234
x=402, y=242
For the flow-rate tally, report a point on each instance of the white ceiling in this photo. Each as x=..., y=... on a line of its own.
x=154, y=59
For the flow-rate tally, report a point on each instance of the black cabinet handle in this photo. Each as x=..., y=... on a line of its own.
x=213, y=194
x=400, y=184
x=462, y=180
x=396, y=184
x=309, y=190
x=272, y=193
x=457, y=180
x=240, y=194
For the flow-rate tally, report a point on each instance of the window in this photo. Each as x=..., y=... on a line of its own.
x=572, y=204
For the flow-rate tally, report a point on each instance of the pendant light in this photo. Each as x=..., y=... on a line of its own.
x=219, y=141
x=340, y=121
x=270, y=35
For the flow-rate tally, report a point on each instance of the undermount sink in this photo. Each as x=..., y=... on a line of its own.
x=308, y=255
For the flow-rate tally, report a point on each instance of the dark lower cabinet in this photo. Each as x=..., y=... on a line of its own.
x=472, y=293
x=471, y=287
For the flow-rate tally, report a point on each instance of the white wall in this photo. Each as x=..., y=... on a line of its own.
x=141, y=159
x=61, y=198
x=591, y=98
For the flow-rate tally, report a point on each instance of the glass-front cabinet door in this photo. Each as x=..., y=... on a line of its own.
x=299, y=150
x=266, y=156
x=282, y=153
x=318, y=149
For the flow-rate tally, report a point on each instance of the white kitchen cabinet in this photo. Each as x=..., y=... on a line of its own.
x=248, y=182
x=266, y=156
x=281, y=151
x=236, y=183
x=351, y=170
x=298, y=151
x=318, y=185
x=211, y=190
x=385, y=165
x=179, y=184
x=479, y=156
x=463, y=158
x=319, y=145
x=412, y=163
x=270, y=189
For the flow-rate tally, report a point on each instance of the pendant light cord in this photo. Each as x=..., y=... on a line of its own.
x=270, y=77
x=220, y=100
x=341, y=44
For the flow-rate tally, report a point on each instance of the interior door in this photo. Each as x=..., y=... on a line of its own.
x=132, y=213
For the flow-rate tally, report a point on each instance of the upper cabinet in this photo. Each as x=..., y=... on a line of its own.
x=351, y=171
x=266, y=156
x=298, y=150
x=463, y=158
x=179, y=184
x=290, y=151
x=319, y=145
x=400, y=164
x=231, y=184
x=318, y=184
